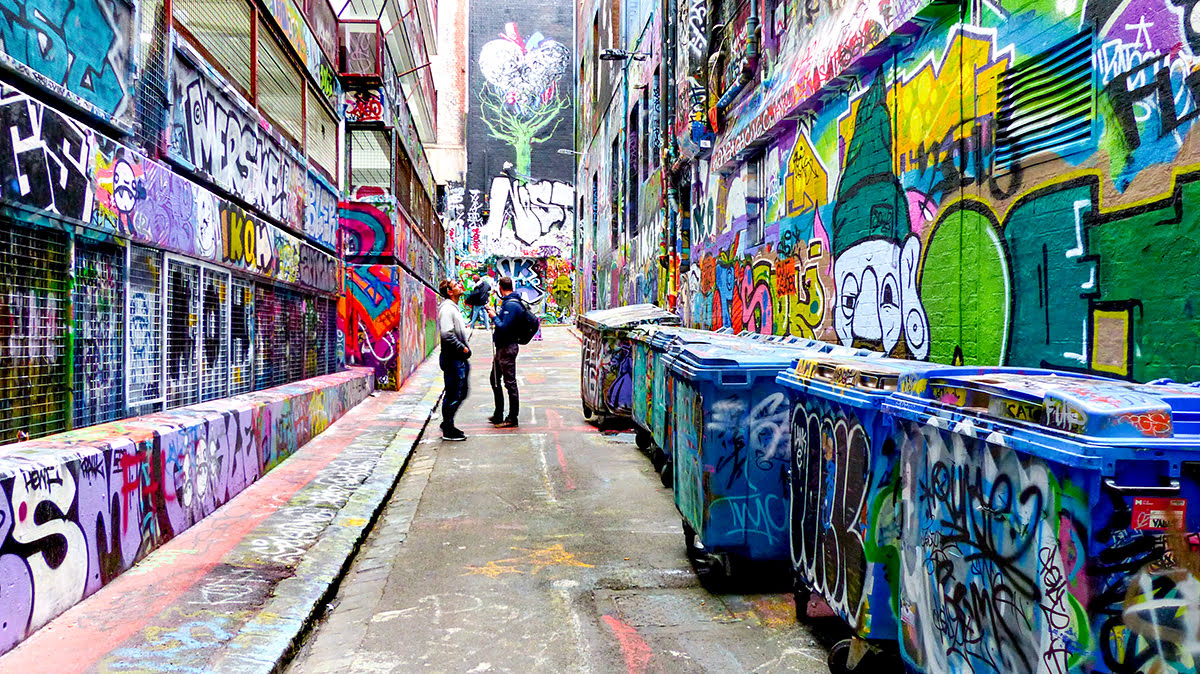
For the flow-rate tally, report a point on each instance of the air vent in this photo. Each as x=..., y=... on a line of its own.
x=1046, y=103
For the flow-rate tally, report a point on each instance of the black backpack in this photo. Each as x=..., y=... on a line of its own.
x=526, y=324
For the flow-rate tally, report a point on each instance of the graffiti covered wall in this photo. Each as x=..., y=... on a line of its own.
x=929, y=212
x=387, y=319
x=110, y=494
x=517, y=203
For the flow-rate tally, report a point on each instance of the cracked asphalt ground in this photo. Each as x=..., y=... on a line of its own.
x=551, y=547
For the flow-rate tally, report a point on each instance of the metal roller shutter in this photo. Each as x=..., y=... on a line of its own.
x=99, y=333
x=183, y=313
x=241, y=336
x=214, y=331
x=143, y=384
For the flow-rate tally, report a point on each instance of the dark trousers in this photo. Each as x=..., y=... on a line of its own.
x=455, y=373
x=504, y=371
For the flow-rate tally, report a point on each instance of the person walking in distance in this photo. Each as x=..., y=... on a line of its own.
x=477, y=301
x=455, y=357
x=504, y=365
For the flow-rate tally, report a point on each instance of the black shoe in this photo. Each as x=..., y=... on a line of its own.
x=496, y=419
x=453, y=435
x=507, y=423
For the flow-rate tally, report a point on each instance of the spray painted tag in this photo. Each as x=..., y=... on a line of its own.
x=1159, y=513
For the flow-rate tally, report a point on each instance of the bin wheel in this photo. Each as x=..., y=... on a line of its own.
x=839, y=657
x=644, y=439
x=658, y=459
x=587, y=412
x=711, y=570
x=667, y=476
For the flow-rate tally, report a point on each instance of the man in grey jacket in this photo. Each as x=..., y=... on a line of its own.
x=455, y=357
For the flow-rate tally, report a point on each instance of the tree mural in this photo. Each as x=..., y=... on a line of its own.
x=521, y=98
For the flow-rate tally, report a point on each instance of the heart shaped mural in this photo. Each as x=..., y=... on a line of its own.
x=525, y=73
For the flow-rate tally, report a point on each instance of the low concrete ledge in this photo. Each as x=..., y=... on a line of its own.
x=80, y=508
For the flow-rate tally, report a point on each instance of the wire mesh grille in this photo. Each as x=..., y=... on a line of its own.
x=241, y=336
x=152, y=84
x=327, y=324
x=183, y=309
x=294, y=303
x=214, y=342
x=322, y=134
x=33, y=305
x=222, y=28
x=280, y=90
x=99, y=333
x=143, y=388
x=312, y=337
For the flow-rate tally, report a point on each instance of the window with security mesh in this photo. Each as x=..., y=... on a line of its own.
x=270, y=327
x=99, y=333
x=33, y=331
x=214, y=334
x=183, y=314
x=370, y=159
x=241, y=336
x=1046, y=103
x=322, y=135
x=279, y=87
x=143, y=386
x=404, y=183
x=221, y=29
x=294, y=302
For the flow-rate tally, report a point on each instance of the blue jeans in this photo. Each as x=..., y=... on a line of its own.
x=455, y=373
x=478, y=314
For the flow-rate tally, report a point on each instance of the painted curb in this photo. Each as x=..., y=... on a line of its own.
x=267, y=642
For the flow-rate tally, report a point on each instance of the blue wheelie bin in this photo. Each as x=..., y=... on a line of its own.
x=842, y=489
x=731, y=430
x=606, y=368
x=1046, y=524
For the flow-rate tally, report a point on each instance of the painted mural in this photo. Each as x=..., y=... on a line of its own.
x=887, y=217
x=546, y=283
x=111, y=494
x=516, y=213
x=387, y=319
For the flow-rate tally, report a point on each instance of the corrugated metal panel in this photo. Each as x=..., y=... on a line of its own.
x=222, y=28
x=214, y=331
x=99, y=333
x=143, y=386
x=270, y=328
x=33, y=331
x=183, y=314
x=241, y=336
x=294, y=303
x=280, y=87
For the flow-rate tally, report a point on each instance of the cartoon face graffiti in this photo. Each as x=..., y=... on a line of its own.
x=206, y=223
x=877, y=299
x=124, y=187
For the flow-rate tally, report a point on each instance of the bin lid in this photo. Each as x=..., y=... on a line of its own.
x=1069, y=403
x=706, y=360
x=627, y=317
x=841, y=370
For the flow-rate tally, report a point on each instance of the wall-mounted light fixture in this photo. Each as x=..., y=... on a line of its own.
x=563, y=150
x=621, y=55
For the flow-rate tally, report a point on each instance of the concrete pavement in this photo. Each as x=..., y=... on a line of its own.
x=549, y=547
x=235, y=592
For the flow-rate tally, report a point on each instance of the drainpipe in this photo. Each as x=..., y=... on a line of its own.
x=749, y=61
x=670, y=12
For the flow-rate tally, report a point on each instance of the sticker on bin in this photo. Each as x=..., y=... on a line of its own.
x=1159, y=513
x=873, y=375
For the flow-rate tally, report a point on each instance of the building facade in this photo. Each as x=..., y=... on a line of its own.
x=990, y=183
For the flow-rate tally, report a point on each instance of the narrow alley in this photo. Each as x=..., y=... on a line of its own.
x=551, y=547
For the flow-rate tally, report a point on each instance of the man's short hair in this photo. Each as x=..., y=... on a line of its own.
x=444, y=288
x=506, y=283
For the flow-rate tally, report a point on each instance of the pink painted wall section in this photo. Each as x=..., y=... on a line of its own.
x=80, y=508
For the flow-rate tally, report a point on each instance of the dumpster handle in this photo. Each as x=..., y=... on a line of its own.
x=1172, y=488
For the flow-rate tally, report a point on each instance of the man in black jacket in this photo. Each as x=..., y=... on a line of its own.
x=504, y=365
